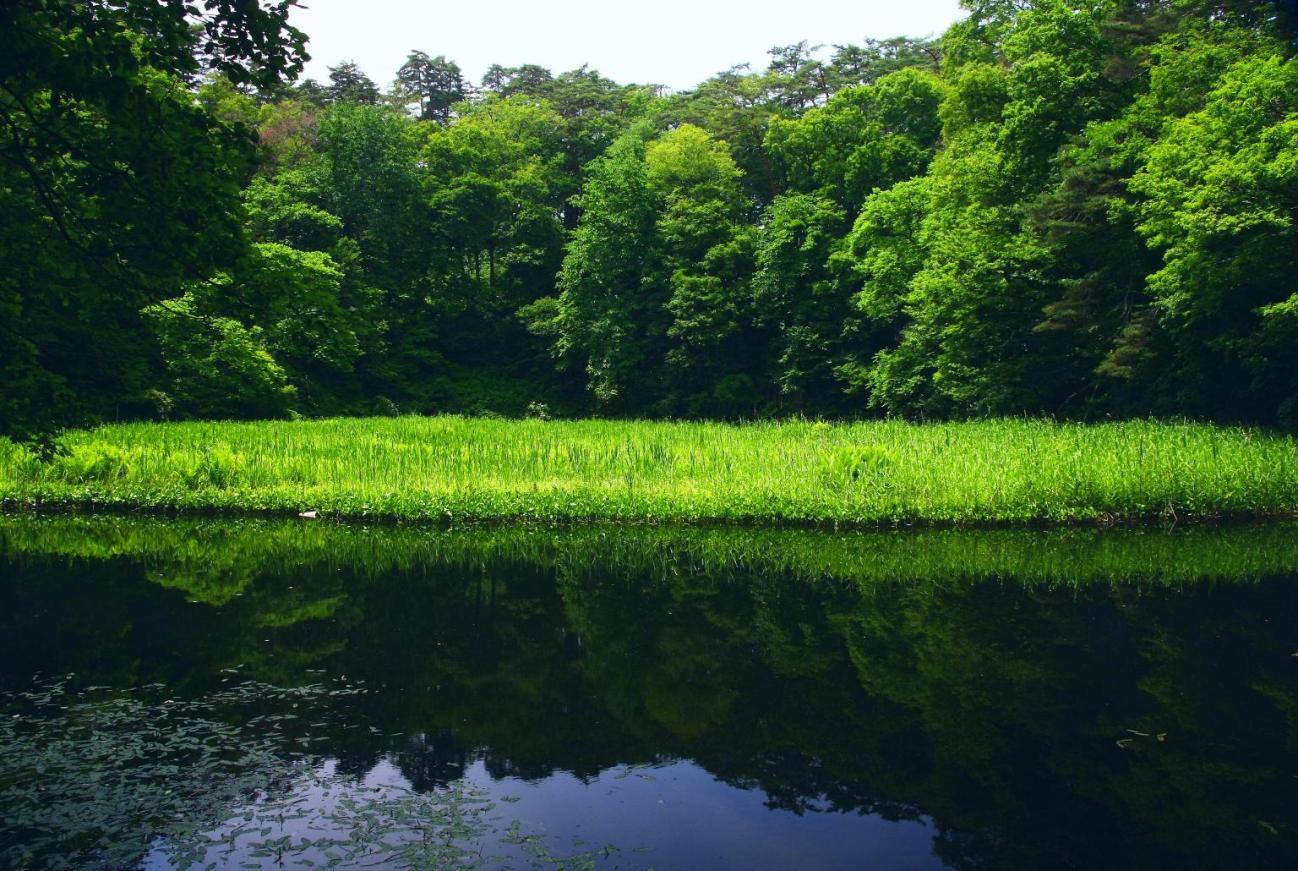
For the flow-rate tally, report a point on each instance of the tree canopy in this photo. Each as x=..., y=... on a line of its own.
x=1082, y=208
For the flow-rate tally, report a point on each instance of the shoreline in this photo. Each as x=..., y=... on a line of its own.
x=448, y=470
x=1158, y=520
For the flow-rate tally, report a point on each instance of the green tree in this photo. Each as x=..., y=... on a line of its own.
x=594, y=112
x=654, y=287
x=496, y=191
x=737, y=107
x=884, y=251
x=873, y=59
x=708, y=250
x=611, y=309
x=100, y=215
x=1026, y=81
x=276, y=333
x=216, y=367
x=1220, y=201
x=348, y=84
x=801, y=301
x=864, y=138
x=434, y=84
x=496, y=184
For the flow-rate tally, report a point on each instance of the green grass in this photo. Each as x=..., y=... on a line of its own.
x=452, y=468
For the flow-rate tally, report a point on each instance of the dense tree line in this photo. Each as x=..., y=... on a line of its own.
x=1072, y=207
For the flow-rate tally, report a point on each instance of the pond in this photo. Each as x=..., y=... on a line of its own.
x=266, y=694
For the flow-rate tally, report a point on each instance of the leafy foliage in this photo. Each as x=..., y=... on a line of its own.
x=1078, y=208
x=115, y=186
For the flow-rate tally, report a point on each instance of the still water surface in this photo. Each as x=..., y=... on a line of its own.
x=274, y=694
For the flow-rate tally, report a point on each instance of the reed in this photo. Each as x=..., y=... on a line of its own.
x=793, y=472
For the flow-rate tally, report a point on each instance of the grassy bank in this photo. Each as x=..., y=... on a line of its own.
x=1003, y=471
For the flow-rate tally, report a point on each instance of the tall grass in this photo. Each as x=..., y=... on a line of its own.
x=791, y=472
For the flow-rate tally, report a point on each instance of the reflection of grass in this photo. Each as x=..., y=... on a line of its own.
x=214, y=559
x=888, y=472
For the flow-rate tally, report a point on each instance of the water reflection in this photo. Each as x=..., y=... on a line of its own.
x=647, y=697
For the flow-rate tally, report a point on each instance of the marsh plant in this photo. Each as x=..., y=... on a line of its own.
x=452, y=468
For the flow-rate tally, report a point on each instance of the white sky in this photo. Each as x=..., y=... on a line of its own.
x=678, y=43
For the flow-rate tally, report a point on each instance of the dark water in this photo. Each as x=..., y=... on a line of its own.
x=220, y=694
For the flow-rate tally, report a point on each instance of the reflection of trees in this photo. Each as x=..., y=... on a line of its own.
x=994, y=707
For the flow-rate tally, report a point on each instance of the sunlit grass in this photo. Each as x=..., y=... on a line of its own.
x=864, y=473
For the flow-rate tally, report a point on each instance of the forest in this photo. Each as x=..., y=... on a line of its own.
x=1081, y=209
x=881, y=455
